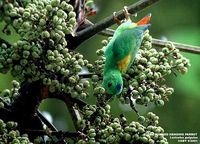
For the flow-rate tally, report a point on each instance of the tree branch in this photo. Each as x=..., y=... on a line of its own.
x=46, y=122
x=70, y=102
x=107, y=22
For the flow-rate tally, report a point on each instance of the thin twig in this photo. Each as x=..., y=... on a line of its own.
x=161, y=43
x=85, y=75
x=107, y=22
x=58, y=134
x=181, y=47
x=132, y=105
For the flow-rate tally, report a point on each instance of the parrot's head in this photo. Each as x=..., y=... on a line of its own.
x=113, y=83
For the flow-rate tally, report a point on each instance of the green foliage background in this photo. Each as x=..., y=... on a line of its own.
x=176, y=20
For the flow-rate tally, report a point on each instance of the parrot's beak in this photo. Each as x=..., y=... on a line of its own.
x=145, y=20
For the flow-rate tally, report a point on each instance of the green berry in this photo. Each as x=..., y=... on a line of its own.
x=70, y=8
x=72, y=14
x=26, y=25
x=127, y=137
x=78, y=68
x=11, y=124
x=72, y=20
x=144, y=139
x=64, y=5
x=141, y=119
x=6, y=93
x=49, y=7
x=15, y=83
x=60, y=13
x=42, y=22
x=45, y=34
x=55, y=3
x=160, y=103
x=83, y=95
x=1, y=105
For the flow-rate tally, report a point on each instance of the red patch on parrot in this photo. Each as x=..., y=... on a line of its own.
x=144, y=20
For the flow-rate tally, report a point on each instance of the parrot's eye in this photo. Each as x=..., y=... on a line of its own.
x=109, y=84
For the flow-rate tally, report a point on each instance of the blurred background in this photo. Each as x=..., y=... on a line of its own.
x=176, y=20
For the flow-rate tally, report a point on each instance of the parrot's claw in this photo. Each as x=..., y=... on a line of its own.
x=116, y=19
x=135, y=15
x=126, y=13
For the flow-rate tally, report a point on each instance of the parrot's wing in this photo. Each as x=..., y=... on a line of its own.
x=122, y=49
x=125, y=46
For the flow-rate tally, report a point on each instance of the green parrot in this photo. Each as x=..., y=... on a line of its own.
x=120, y=53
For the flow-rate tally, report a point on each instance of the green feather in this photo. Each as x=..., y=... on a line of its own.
x=113, y=82
x=126, y=41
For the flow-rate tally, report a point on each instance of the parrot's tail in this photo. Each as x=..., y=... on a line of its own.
x=144, y=20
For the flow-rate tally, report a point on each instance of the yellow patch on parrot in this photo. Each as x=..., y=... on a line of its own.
x=124, y=63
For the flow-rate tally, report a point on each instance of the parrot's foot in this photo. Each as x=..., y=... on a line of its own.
x=135, y=15
x=116, y=19
x=126, y=13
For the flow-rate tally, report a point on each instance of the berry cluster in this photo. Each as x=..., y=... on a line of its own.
x=9, y=95
x=9, y=134
x=42, y=53
x=99, y=126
